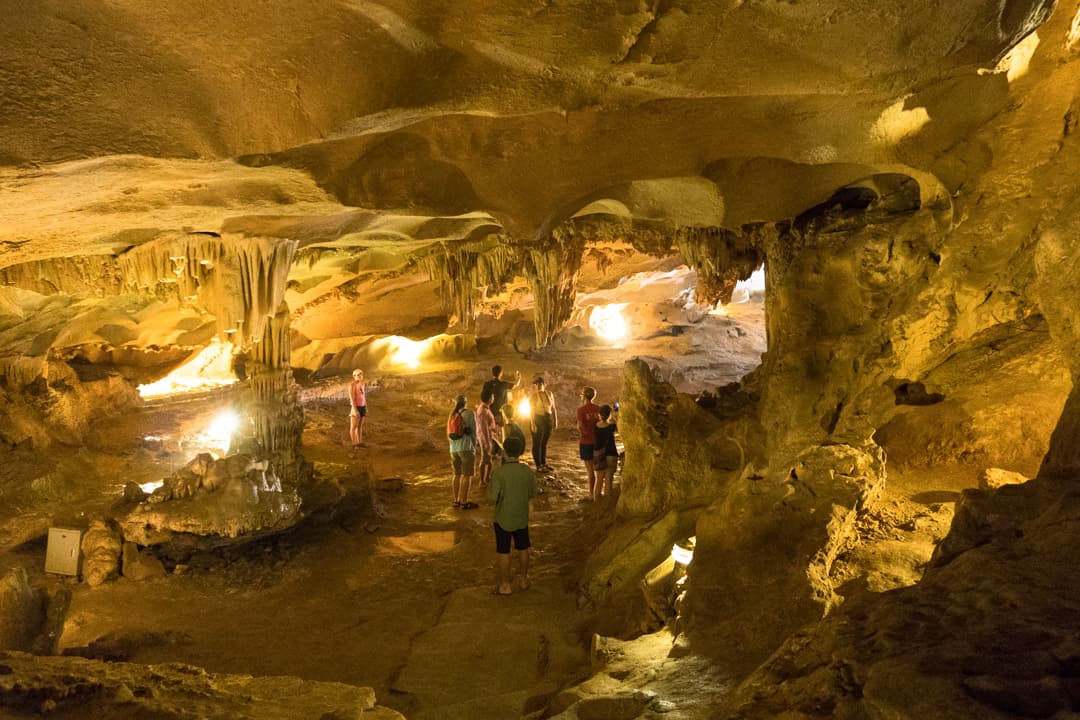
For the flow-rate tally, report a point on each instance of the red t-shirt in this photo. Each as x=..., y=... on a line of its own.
x=587, y=417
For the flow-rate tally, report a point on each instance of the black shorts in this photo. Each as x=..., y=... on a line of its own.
x=502, y=539
x=361, y=410
x=585, y=452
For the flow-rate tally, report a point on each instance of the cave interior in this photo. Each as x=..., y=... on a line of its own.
x=823, y=255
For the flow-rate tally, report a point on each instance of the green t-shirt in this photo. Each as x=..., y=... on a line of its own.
x=512, y=486
x=510, y=430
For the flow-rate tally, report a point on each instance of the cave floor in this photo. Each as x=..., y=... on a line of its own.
x=398, y=597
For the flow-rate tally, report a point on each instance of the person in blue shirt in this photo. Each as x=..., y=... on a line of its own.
x=463, y=454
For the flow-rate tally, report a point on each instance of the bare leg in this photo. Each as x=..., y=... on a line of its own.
x=360, y=432
x=523, y=568
x=609, y=476
x=503, y=563
x=485, y=471
x=466, y=485
x=457, y=489
x=591, y=472
x=354, y=429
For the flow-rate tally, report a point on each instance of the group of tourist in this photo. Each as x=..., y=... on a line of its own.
x=480, y=436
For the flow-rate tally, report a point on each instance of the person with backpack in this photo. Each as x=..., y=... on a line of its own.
x=500, y=390
x=461, y=433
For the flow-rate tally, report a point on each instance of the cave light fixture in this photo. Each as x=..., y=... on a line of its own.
x=682, y=552
x=215, y=438
x=524, y=409
x=608, y=322
x=404, y=351
x=150, y=487
x=210, y=368
x=221, y=430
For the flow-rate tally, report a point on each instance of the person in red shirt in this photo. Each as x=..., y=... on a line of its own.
x=587, y=416
x=357, y=408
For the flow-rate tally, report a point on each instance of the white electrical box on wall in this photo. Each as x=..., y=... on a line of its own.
x=62, y=552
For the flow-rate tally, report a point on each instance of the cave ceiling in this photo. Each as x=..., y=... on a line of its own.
x=366, y=135
x=324, y=181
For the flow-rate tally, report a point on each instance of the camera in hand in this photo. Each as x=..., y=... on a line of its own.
x=616, y=404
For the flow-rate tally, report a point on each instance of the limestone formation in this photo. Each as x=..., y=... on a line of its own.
x=65, y=685
x=409, y=185
x=140, y=566
x=233, y=497
x=22, y=611
x=101, y=552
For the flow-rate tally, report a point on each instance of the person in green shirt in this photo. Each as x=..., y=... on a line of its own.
x=512, y=486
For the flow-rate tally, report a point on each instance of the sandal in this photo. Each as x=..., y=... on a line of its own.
x=457, y=504
x=469, y=506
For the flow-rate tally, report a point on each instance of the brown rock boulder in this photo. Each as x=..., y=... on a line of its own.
x=140, y=566
x=993, y=478
x=765, y=551
x=22, y=611
x=101, y=553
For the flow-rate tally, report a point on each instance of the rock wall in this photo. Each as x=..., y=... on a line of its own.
x=967, y=345
x=682, y=454
x=936, y=322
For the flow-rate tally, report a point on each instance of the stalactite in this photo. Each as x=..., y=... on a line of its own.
x=273, y=350
x=551, y=271
x=461, y=268
x=721, y=258
x=241, y=281
x=276, y=415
